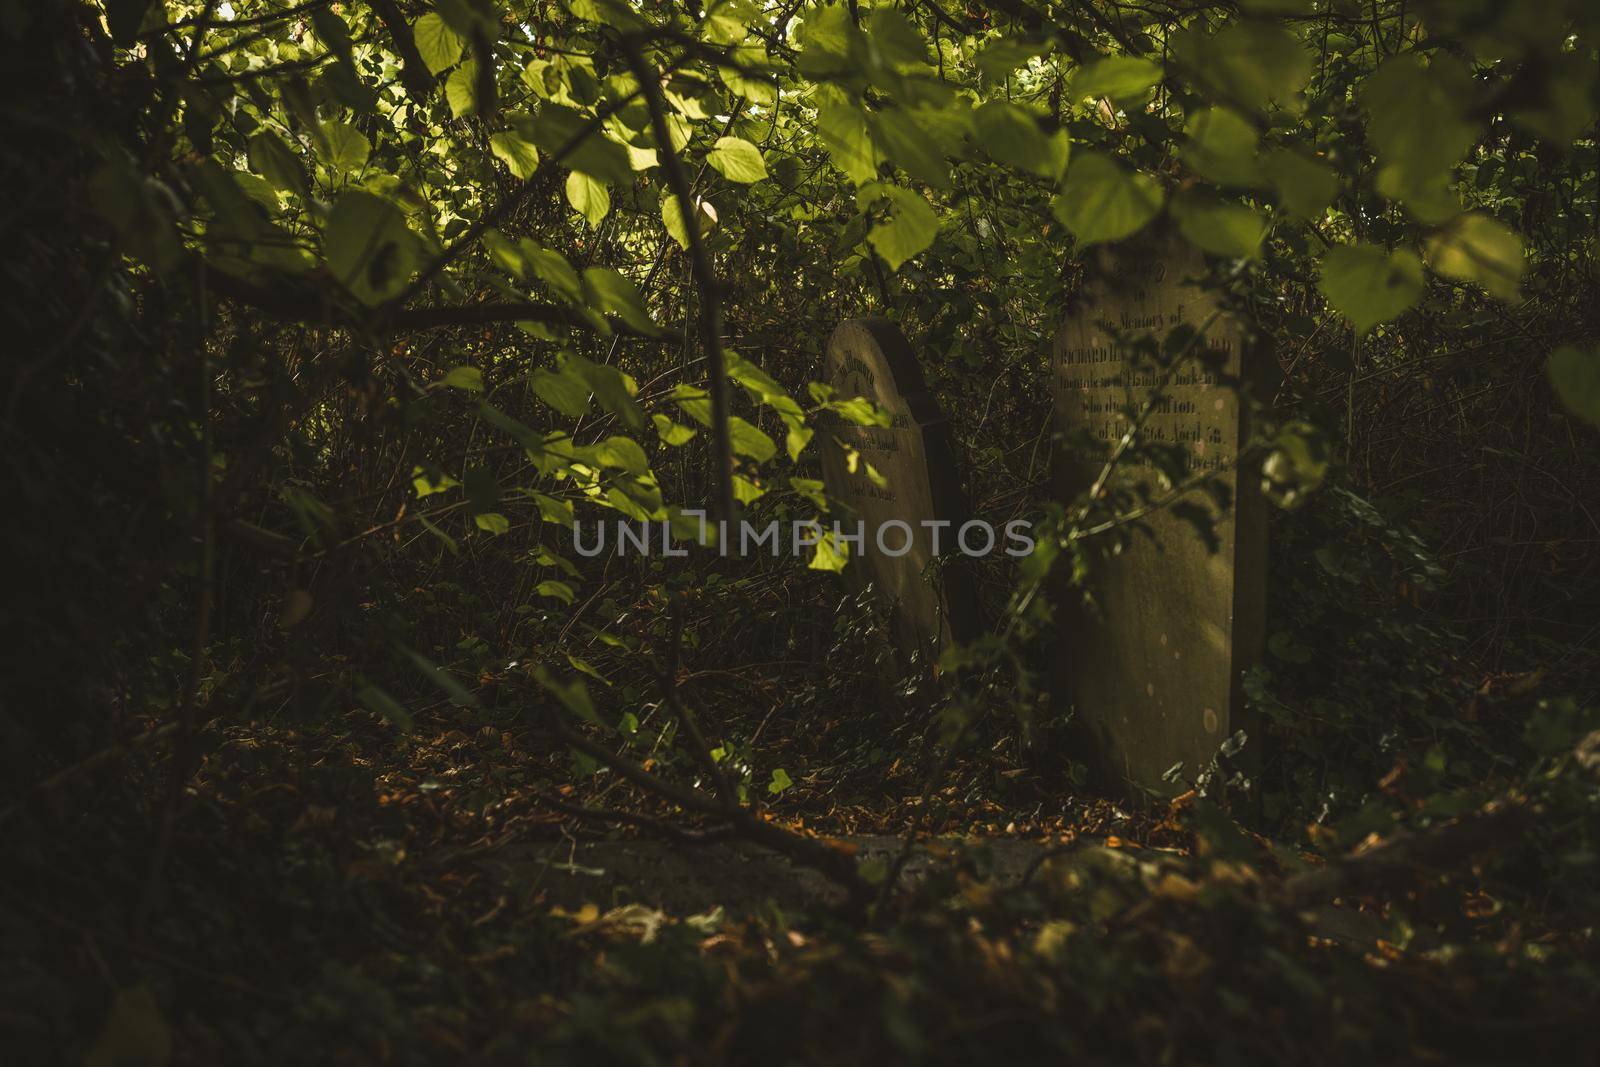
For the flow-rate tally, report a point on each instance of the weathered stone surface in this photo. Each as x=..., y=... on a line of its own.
x=1153, y=664
x=871, y=358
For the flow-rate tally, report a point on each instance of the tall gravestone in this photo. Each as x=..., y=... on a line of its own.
x=916, y=458
x=1153, y=657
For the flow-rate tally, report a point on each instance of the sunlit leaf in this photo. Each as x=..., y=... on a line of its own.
x=1103, y=201
x=1369, y=285
x=737, y=160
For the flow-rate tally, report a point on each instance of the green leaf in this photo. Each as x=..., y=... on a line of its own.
x=1477, y=248
x=748, y=440
x=737, y=160
x=552, y=268
x=1250, y=64
x=911, y=148
x=566, y=391
x=439, y=45
x=672, y=219
x=574, y=695
x=780, y=781
x=1305, y=186
x=556, y=590
x=588, y=197
x=559, y=512
x=1001, y=56
x=672, y=433
x=1220, y=227
x=520, y=157
x=910, y=228
x=276, y=162
x=1369, y=286
x=611, y=293
x=830, y=554
x=1419, y=128
x=844, y=131
x=140, y=210
x=348, y=147
x=1222, y=146
x=459, y=695
x=1575, y=376
x=612, y=388
x=622, y=453
x=332, y=32
x=1011, y=135
x=492, y=522
x=461, y=90
x=369, y=248
x=469, y=379
x=1103, y=201
x=376, y=700
x=1125, y=79
x=560, y=132
x=795, y=441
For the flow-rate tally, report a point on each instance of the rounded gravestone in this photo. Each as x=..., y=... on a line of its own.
x=915, y=515
x=1152, y=659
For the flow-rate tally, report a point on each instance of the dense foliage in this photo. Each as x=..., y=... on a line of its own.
x=329, y=318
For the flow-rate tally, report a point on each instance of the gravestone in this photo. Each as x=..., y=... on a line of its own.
x=1152, y=659
x=915, y=455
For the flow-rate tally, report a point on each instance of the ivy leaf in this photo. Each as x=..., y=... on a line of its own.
x=1103, y=201
x=1368, y=285
x=1575, y=375
x=1220, y=227
x=520, y=157
x=438, y=44
x=910, y=228
x=780, y=781
x=1477, y=248
x=369, y=248
x=1125, y=79
x=737, y=160
x=1304, y=186
x=588, y=197
x=830, y=555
